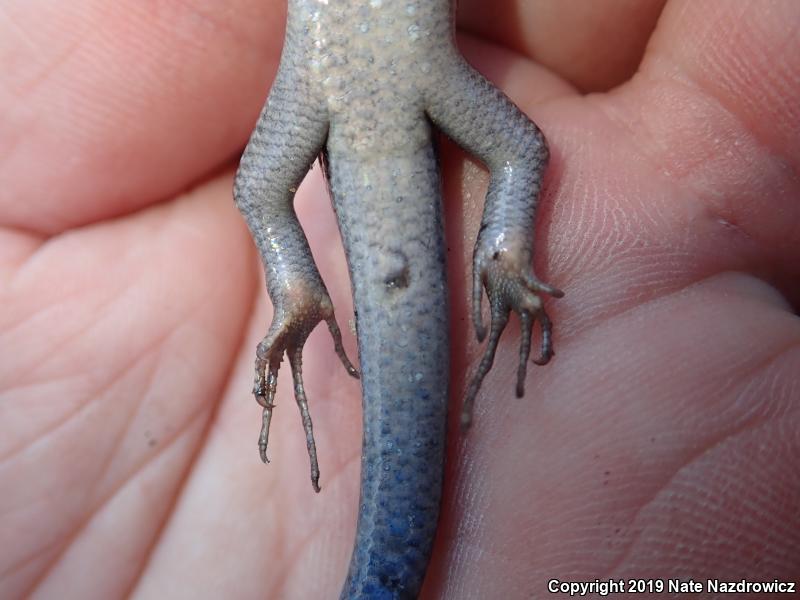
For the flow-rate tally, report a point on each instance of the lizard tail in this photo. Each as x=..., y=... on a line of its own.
x=399, y=290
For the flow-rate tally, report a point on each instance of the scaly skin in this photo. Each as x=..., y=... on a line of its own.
x=362, y=81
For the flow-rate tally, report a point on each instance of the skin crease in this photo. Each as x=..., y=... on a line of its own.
x=662, y=440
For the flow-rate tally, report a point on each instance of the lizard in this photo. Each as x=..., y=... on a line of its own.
x=362, y=84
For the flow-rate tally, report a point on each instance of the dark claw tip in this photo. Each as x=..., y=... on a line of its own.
x=354, y=372
x=316, y=487
x=556, y=293
x=261, y=399
x=520, y=391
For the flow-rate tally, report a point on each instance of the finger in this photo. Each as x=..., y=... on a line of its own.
x=717, y=118
x=106, y=282
x=116, y=105
x=101, y=324
x=746, y=57
x=571, y=38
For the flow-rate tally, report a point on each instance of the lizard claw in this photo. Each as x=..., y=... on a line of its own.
x=287, y=335
x=509, y=286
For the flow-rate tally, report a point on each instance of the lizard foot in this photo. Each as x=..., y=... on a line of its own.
x=510, y=285
x=287, y=334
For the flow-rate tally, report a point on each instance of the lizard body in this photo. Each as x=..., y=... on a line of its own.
x=362, y=81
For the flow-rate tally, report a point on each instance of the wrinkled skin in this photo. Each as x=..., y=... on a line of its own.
x=662, y=440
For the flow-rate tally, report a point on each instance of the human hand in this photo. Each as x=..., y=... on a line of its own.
x=660, y=441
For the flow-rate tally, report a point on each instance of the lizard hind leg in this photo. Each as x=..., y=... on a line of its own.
x=287, y=335
x=290, y=133
x=485, y=123
x=509, y=289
